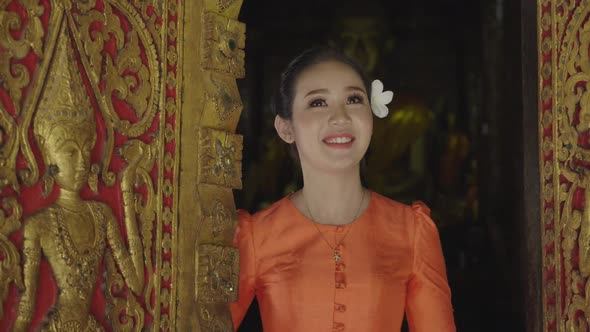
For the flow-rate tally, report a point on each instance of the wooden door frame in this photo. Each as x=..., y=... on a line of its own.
x=530, y=231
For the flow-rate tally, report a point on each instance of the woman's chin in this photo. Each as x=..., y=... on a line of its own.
x=339, y=165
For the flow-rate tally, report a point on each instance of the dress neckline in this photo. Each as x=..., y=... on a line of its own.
x=329, y=227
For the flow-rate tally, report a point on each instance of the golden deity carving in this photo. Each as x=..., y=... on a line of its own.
x=74, y=234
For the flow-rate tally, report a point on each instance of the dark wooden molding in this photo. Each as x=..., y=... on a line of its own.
x=530, y=232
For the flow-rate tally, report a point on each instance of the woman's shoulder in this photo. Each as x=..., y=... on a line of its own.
x=267, y=214
x=264, y=222
x=398, y=213
x=385, y=205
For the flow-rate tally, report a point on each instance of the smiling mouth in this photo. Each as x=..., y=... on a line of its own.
x=339, y=140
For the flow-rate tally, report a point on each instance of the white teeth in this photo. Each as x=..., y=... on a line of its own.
x=339, y=140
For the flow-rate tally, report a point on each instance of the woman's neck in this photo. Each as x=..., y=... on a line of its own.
x=332, y=197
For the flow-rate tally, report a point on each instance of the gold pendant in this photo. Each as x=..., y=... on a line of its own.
x=336, y=256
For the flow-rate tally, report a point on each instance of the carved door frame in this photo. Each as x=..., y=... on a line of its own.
x=211, y=108
x=557, y=233
x=537, y=237
x=530, y=255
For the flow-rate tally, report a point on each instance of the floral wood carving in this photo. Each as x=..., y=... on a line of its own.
x=223, y=42
x=220, y=160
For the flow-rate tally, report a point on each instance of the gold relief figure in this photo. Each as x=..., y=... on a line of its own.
x=10, y=261
x=140, y=158
x=72, y=233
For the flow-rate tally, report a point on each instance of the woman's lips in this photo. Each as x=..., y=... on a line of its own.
x=340, y=141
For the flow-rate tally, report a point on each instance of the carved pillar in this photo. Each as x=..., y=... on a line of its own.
x=210, y=163
x=117, y=164
x=564, y=135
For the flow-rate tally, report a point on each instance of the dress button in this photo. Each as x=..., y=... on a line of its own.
x=339, y=307
x=338, y=326
x=339, y=229
x=340, y=267
x=340, y=284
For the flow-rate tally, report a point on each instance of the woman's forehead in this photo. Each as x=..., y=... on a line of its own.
x=328, y=75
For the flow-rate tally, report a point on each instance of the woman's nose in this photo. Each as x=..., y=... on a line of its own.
x=340, y=115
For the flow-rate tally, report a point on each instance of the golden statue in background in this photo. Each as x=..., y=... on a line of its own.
x=396, y=161
x=73, y=233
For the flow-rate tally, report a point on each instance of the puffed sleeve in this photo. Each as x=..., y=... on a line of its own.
x=243, y=240
x=428, y=301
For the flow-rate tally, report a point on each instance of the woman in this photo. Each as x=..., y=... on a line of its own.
x=335, y=256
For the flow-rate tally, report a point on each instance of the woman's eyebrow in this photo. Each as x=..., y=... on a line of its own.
x=312, y=92
x=356, y=88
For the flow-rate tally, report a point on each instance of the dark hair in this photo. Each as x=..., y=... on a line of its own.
x=282, y=104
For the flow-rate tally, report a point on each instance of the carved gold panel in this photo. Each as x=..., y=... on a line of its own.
x=218, y=274
x=220, y=158
x=222, y=103
x=228, y=8
x=210, y=166
x=219, y=218
x=116, y=187
x=214, y=317
x=224, y=40
x=564, y=135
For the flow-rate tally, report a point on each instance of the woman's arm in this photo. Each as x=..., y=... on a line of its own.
x=428, y=301
x=244, y=241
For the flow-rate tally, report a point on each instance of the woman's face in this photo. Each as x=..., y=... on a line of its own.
x=332, y=120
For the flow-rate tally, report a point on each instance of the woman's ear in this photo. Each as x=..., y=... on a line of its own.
x=284, y=129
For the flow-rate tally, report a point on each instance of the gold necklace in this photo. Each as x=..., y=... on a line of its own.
x=336, y=249
x=84, y=263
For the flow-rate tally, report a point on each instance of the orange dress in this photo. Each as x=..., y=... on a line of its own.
x=391, y=263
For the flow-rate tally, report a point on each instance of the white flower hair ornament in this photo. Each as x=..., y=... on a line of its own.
x=380, y=99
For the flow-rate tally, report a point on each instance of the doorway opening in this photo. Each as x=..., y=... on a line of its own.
x=454, y=142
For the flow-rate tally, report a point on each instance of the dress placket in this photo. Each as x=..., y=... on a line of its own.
x=340, y=285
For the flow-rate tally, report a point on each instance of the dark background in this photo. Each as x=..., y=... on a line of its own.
x=457, y=68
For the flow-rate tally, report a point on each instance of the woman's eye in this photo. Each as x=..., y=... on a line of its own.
x=355, y=100
x=317, y=103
